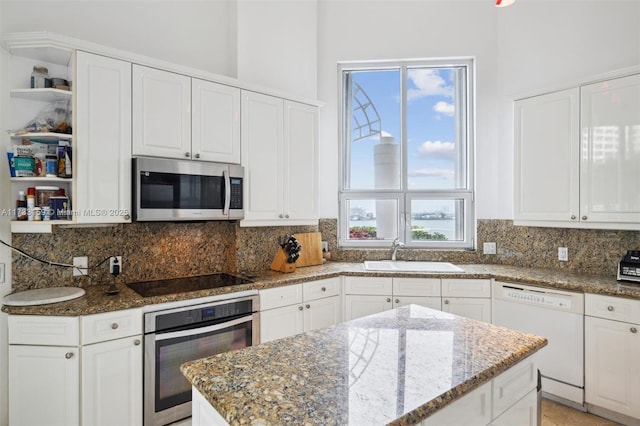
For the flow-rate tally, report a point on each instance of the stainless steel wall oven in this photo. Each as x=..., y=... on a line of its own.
x=175, y=336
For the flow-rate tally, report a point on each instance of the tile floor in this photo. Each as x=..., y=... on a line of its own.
x=554, y=414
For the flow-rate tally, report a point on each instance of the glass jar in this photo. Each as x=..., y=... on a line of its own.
x=39, y=77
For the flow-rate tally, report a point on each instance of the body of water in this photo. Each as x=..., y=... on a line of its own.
x=443, y=226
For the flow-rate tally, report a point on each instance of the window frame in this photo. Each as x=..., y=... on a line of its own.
x=404, y=195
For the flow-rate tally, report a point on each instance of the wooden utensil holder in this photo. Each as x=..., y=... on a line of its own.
x=280, y=263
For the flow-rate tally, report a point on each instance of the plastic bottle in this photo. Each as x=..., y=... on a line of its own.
x=39, y=76
x=21, y=207
x=31, y=202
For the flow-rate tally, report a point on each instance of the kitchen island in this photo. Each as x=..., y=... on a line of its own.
x=397, y=367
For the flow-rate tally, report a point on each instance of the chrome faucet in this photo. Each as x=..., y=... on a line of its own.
x=395, y=245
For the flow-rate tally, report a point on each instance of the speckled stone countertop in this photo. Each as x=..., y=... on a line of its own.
x=96, y=300
x=397, y=367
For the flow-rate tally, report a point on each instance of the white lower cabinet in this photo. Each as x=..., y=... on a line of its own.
x=522, y=413
x=43, y=385
x=76, y=370
x=612, y=351
x=289, y=310
x=470, y=298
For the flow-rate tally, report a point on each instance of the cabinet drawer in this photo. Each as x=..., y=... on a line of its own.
x=513, y=384
x=280, y=296
x=416, y=286
x=610, y=307
x=452, y=287
x=111, y=325
x=368, y=285
x=321, y=288
x=44, y=330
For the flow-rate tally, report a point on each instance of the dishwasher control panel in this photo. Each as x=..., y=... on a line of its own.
x=535, y=297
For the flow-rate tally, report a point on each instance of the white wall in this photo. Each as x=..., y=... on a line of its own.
x=277, y=44
x=199, y=34
x=527, y=46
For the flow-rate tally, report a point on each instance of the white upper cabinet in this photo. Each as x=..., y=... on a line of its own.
x=610, y=170
x=161, y=113
x=176, y=116
x=577, y=157
x=215, y=122
x=279, y=154
x=547, y=129
x=103, y=99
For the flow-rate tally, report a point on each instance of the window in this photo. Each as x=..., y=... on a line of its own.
x=407, y=154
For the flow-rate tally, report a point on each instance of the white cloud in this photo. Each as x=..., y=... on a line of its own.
x=428, y=83
x=445, y=108
x=438, y=150
x=446, y=174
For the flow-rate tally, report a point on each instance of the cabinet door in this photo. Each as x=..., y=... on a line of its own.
x=357, y=305
x=547, y=157
x=612, y=351
x=609, y=171
x=460, y=287
x=161, y=113
x=523, y=412
x=112, y=382
x=473, y=409
x=44, y=383
x=103, y=148
x=428, y=302
x=475, y=308
x=281, y=322
x=215, y=122
x=322, y=313
x=301, y=159
x=262, y=156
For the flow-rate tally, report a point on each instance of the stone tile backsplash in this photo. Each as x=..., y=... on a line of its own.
x=166, y=250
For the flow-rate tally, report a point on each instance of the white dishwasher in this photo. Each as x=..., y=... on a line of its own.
x=557, y=315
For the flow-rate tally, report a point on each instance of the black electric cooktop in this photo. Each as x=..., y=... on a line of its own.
x=186, y=284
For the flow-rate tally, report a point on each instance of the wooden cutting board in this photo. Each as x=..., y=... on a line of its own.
x=311, y=253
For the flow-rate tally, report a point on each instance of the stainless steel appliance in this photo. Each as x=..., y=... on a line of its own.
x=629, y=267
x=177, y=335
x=556, y=315
x=182, y=190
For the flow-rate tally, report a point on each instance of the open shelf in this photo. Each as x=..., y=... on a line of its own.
x=44, y=95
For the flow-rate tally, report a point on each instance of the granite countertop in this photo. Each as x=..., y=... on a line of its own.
x=96, y=300
x=396, y=367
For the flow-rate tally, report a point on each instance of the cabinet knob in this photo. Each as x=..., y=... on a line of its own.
x=300, y=308
x=397, y=300
x=446, y=302
x=187, y=154
x=388, y=299
x=127, y=217
x=323, y=289
x=307, y=306
x=610, y=308
x=573, y=217
x=68, y=355
x=633, y=330
x=114, y=326
x=584, y=218
x=280, y=216
x=286, y=216
x=137, y=342
x=197, y=155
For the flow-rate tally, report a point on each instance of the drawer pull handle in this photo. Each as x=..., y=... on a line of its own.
x=633, y=330
x=584, y=218
x=323, y=289
x=610, y=308
x=127, y=217
x=114, y=326
x=397, y=300
x=446, y=302
x=307, y=306
x=300, y=308
x=388, y=299
x=186, y=154
x=68, y=355
x=137, y=342
x=573, y=217
x=197, y=155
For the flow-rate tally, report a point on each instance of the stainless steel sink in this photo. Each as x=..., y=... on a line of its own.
x=410, y=266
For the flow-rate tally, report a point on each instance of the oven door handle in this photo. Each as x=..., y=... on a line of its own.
x=200, y=330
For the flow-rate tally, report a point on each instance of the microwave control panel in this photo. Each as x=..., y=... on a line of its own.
x=236, y=193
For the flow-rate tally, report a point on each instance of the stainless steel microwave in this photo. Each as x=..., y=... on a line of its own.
x=184, y=190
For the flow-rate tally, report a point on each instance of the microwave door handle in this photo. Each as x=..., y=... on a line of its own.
x=201, y=330
x=227, y=192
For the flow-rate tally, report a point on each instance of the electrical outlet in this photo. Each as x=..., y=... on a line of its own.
x=325, y=247
x=563, y=254
x=489, y=248
x=80, y=266
x=115, y=260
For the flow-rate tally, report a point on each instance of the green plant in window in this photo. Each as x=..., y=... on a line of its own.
x=362, y=233
x=420, y=233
